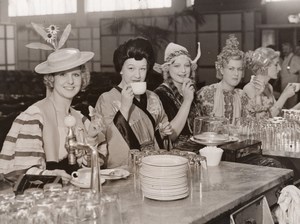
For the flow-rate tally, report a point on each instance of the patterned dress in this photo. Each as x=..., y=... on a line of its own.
x=261, y=111
x=138, y=132
x=206, y=96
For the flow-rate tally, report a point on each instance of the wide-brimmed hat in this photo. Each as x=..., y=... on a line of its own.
x=63, y=59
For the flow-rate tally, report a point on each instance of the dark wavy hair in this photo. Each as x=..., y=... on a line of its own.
x=137, y=48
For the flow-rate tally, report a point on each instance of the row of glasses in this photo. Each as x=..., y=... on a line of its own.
x=68, y=204
x=275, y=134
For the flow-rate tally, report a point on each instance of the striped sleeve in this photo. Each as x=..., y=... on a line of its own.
x=23, y=146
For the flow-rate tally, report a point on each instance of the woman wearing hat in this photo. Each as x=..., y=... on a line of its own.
x=264, y=63
x=132, y=121
x=36, y=141
x=177, y=91
x=223, y=99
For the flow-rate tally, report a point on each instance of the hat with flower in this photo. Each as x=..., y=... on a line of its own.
x=174, y=51
x=61, y=59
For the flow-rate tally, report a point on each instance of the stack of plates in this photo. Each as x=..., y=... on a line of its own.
x=164, y=177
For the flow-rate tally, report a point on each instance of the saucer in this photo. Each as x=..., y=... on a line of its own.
x=230, y=139
x=84, y=185
x=114, y=174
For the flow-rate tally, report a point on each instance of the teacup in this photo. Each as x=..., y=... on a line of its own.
x=82, y=175
x=213, y=155
x=138, y=88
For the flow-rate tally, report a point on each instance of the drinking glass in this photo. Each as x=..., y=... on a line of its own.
x=89, y=211
x=111, y=211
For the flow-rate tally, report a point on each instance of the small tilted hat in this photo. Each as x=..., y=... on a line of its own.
x=61, y=59
x=175, y=50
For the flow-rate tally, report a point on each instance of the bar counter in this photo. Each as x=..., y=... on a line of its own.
x=221, y=191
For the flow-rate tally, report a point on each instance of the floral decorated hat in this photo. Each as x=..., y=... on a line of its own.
x=61, y=59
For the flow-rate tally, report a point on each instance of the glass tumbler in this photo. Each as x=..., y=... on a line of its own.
x=111, y=212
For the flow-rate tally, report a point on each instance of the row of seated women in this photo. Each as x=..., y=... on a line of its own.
x=121, y=120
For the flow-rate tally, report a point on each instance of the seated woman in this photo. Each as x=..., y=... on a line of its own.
x=223, y=99
x=36, y=141
x=264, y=63
x=132, y=121
x=177, y=92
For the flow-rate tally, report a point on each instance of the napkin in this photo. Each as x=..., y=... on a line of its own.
x=289, y=205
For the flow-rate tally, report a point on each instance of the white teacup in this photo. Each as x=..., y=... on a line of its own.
x=138, y=88
x=213, y=155
x=82, y=175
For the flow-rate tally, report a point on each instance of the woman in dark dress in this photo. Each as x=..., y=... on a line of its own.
x=177, y=92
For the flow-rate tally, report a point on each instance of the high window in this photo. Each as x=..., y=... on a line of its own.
x=41, y=7
x=115, y=5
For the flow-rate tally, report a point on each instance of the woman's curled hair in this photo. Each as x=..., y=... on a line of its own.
x=138, y=49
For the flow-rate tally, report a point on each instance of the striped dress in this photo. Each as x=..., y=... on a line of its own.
x=31, y=133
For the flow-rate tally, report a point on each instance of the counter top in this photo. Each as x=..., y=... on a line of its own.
x=221, y=189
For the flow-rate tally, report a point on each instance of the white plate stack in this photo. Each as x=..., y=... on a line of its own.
x=164, y=177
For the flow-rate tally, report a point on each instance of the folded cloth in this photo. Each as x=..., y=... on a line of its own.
x=289, y=205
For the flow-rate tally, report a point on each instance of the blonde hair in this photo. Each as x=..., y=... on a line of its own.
x=85, y=74
x=259, y=60
x=229, y=52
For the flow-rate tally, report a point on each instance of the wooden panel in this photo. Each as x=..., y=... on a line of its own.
x=188, y=41
x=10, y=51
x=85, y=33
x=249, y=41
x=104, y=26
x=34, y=55
x=108, y=45
x=85, y=45
x=96, y=32
x=207, y=75
x=249, y=20
x=209, y=48
x=185, y=24
x=2, y=31
x=231, y=22
x=96, y=49
x=210, y=24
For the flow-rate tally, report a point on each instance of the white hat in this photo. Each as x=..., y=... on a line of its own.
x=61, y=59
x=175, y=50
x=64, y=59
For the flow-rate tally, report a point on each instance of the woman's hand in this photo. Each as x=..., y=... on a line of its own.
x=289, y=91
x=165, y=129
x=188, y=89
x=97, y=123
x=259, y=85
x=127, y=97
